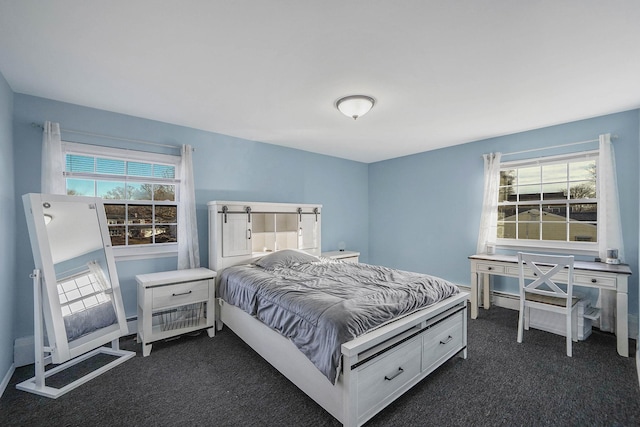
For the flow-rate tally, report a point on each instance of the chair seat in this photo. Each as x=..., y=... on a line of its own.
x=547, y=299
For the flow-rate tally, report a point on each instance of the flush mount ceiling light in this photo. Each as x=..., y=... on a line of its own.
x=355, y=106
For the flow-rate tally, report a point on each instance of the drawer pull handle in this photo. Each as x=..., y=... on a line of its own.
x=183, y=293
x=447, y=340
x=594, y=281
x=400, y=370
x=489, y=268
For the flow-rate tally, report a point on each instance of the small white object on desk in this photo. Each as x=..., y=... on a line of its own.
x=346, y=256
x=173, y=303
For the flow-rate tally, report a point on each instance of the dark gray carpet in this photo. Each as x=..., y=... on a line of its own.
x=222, y=382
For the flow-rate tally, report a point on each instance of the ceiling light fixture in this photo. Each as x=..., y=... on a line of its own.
x=355, y=106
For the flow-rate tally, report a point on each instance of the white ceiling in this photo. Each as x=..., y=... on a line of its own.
x=442, y=72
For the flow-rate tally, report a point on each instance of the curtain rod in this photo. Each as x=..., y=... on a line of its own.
x=139, y=141
x=554, y=146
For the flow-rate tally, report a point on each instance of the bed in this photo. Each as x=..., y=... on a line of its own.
x=281, y=301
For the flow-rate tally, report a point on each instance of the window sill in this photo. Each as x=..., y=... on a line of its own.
x=131, y=253
x=573, y=248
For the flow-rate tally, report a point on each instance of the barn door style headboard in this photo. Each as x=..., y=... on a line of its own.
x=242, y=231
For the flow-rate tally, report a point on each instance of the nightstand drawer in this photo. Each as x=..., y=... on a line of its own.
x=180, y=294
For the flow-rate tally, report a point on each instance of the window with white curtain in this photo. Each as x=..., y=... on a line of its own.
x=549, y=202
x=140, y=192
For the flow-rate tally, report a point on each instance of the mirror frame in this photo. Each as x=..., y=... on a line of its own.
x=60, y=348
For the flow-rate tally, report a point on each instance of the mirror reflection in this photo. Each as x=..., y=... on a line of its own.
x=82, y=275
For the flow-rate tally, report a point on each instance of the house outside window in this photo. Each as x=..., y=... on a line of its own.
x=549, y=202
x=140, y=193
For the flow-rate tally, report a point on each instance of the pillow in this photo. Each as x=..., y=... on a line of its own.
x=285, y=258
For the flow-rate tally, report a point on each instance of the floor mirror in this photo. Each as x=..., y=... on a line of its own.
x=78, y=309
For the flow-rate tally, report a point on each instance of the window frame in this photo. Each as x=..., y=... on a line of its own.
x=130, y=252
x=572, y=247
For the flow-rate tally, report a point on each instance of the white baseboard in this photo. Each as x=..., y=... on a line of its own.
x=634, y=330
x=7, y=378
x=132, y=325
x=638, y=359
x=24, y=351
x=511, y=301
x=500, y=299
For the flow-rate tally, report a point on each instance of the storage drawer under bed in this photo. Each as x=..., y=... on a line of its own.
x=442, y=341
x=381, y=377
x=387, y=373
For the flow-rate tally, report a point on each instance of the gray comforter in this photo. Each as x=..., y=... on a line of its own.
x=321, y=305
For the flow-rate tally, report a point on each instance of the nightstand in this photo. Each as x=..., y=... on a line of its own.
x=346, y=256
x=173, y=303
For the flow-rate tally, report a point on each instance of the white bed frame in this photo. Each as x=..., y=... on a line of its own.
x=377, y=367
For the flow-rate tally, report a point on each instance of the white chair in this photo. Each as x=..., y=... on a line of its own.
x=543, y=293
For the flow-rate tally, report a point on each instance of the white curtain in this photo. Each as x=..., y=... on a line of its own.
x=52, y=178
x=489, y=216
x=609, y=226
x=188, y=249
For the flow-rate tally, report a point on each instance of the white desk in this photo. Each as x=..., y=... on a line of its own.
x=606, y=277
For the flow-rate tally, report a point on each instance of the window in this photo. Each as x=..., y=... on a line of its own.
x=140, y=192
x=549, y=202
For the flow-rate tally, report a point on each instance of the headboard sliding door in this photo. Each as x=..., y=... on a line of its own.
x=242, y=231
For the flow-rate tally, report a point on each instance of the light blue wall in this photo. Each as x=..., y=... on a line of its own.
x=226, y=168
x=425, y=208
x=419, y=212
x=7, y=229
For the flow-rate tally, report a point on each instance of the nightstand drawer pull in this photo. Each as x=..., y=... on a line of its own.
x=400, y=370
x=447, y=340
x=594, y=280
x=183, y=293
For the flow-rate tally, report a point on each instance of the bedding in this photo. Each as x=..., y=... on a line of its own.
x=319, y=303
x=285, y=258
x=90, y=320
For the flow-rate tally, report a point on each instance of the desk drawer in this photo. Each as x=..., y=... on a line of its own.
x=180, y=294
x=378, y=380
x=579, y=277
x=560, y=277
x=594, y=280
x=442, y=341
x=489, y=268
